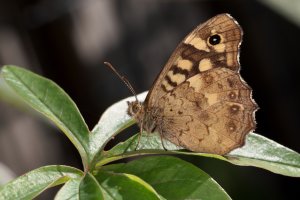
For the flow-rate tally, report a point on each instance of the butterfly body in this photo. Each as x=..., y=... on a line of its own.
x=199, y=100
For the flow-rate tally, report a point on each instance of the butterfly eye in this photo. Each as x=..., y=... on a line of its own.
x=214, y=39
x=136, y=108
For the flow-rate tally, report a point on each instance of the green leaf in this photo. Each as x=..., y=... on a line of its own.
x=90, y=189
x=112, y=121
x=34, y=182
x=267, y=154
x=125, y=186
x=87, y=188
x=147, y=144
x=49, y=99
x=258, y=151
x=172, y=178
x=69, y=190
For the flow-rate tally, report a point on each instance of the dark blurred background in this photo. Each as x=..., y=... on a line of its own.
x=68, y=41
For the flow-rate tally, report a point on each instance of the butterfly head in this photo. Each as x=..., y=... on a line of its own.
x=135, y=109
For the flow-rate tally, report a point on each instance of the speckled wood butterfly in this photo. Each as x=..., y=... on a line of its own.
x=199, y=100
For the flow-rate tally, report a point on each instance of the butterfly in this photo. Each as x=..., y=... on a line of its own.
x=199, y=100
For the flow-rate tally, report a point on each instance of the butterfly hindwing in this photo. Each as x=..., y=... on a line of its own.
x=210, y=112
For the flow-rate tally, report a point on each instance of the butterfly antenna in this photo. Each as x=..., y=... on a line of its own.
x=127, y=83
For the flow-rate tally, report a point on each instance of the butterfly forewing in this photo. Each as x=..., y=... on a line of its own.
x=194, y=54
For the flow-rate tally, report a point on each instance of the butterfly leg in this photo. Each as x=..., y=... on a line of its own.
x=162, y=142
x=139, y=136
x=161, y=138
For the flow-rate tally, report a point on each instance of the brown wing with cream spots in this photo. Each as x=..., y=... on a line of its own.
x=199, y=100
x=211, y=112
x=211, y=45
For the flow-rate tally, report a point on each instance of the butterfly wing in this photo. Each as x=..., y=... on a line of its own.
x=210, y=112
x=199, y=101
x=195, y=54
